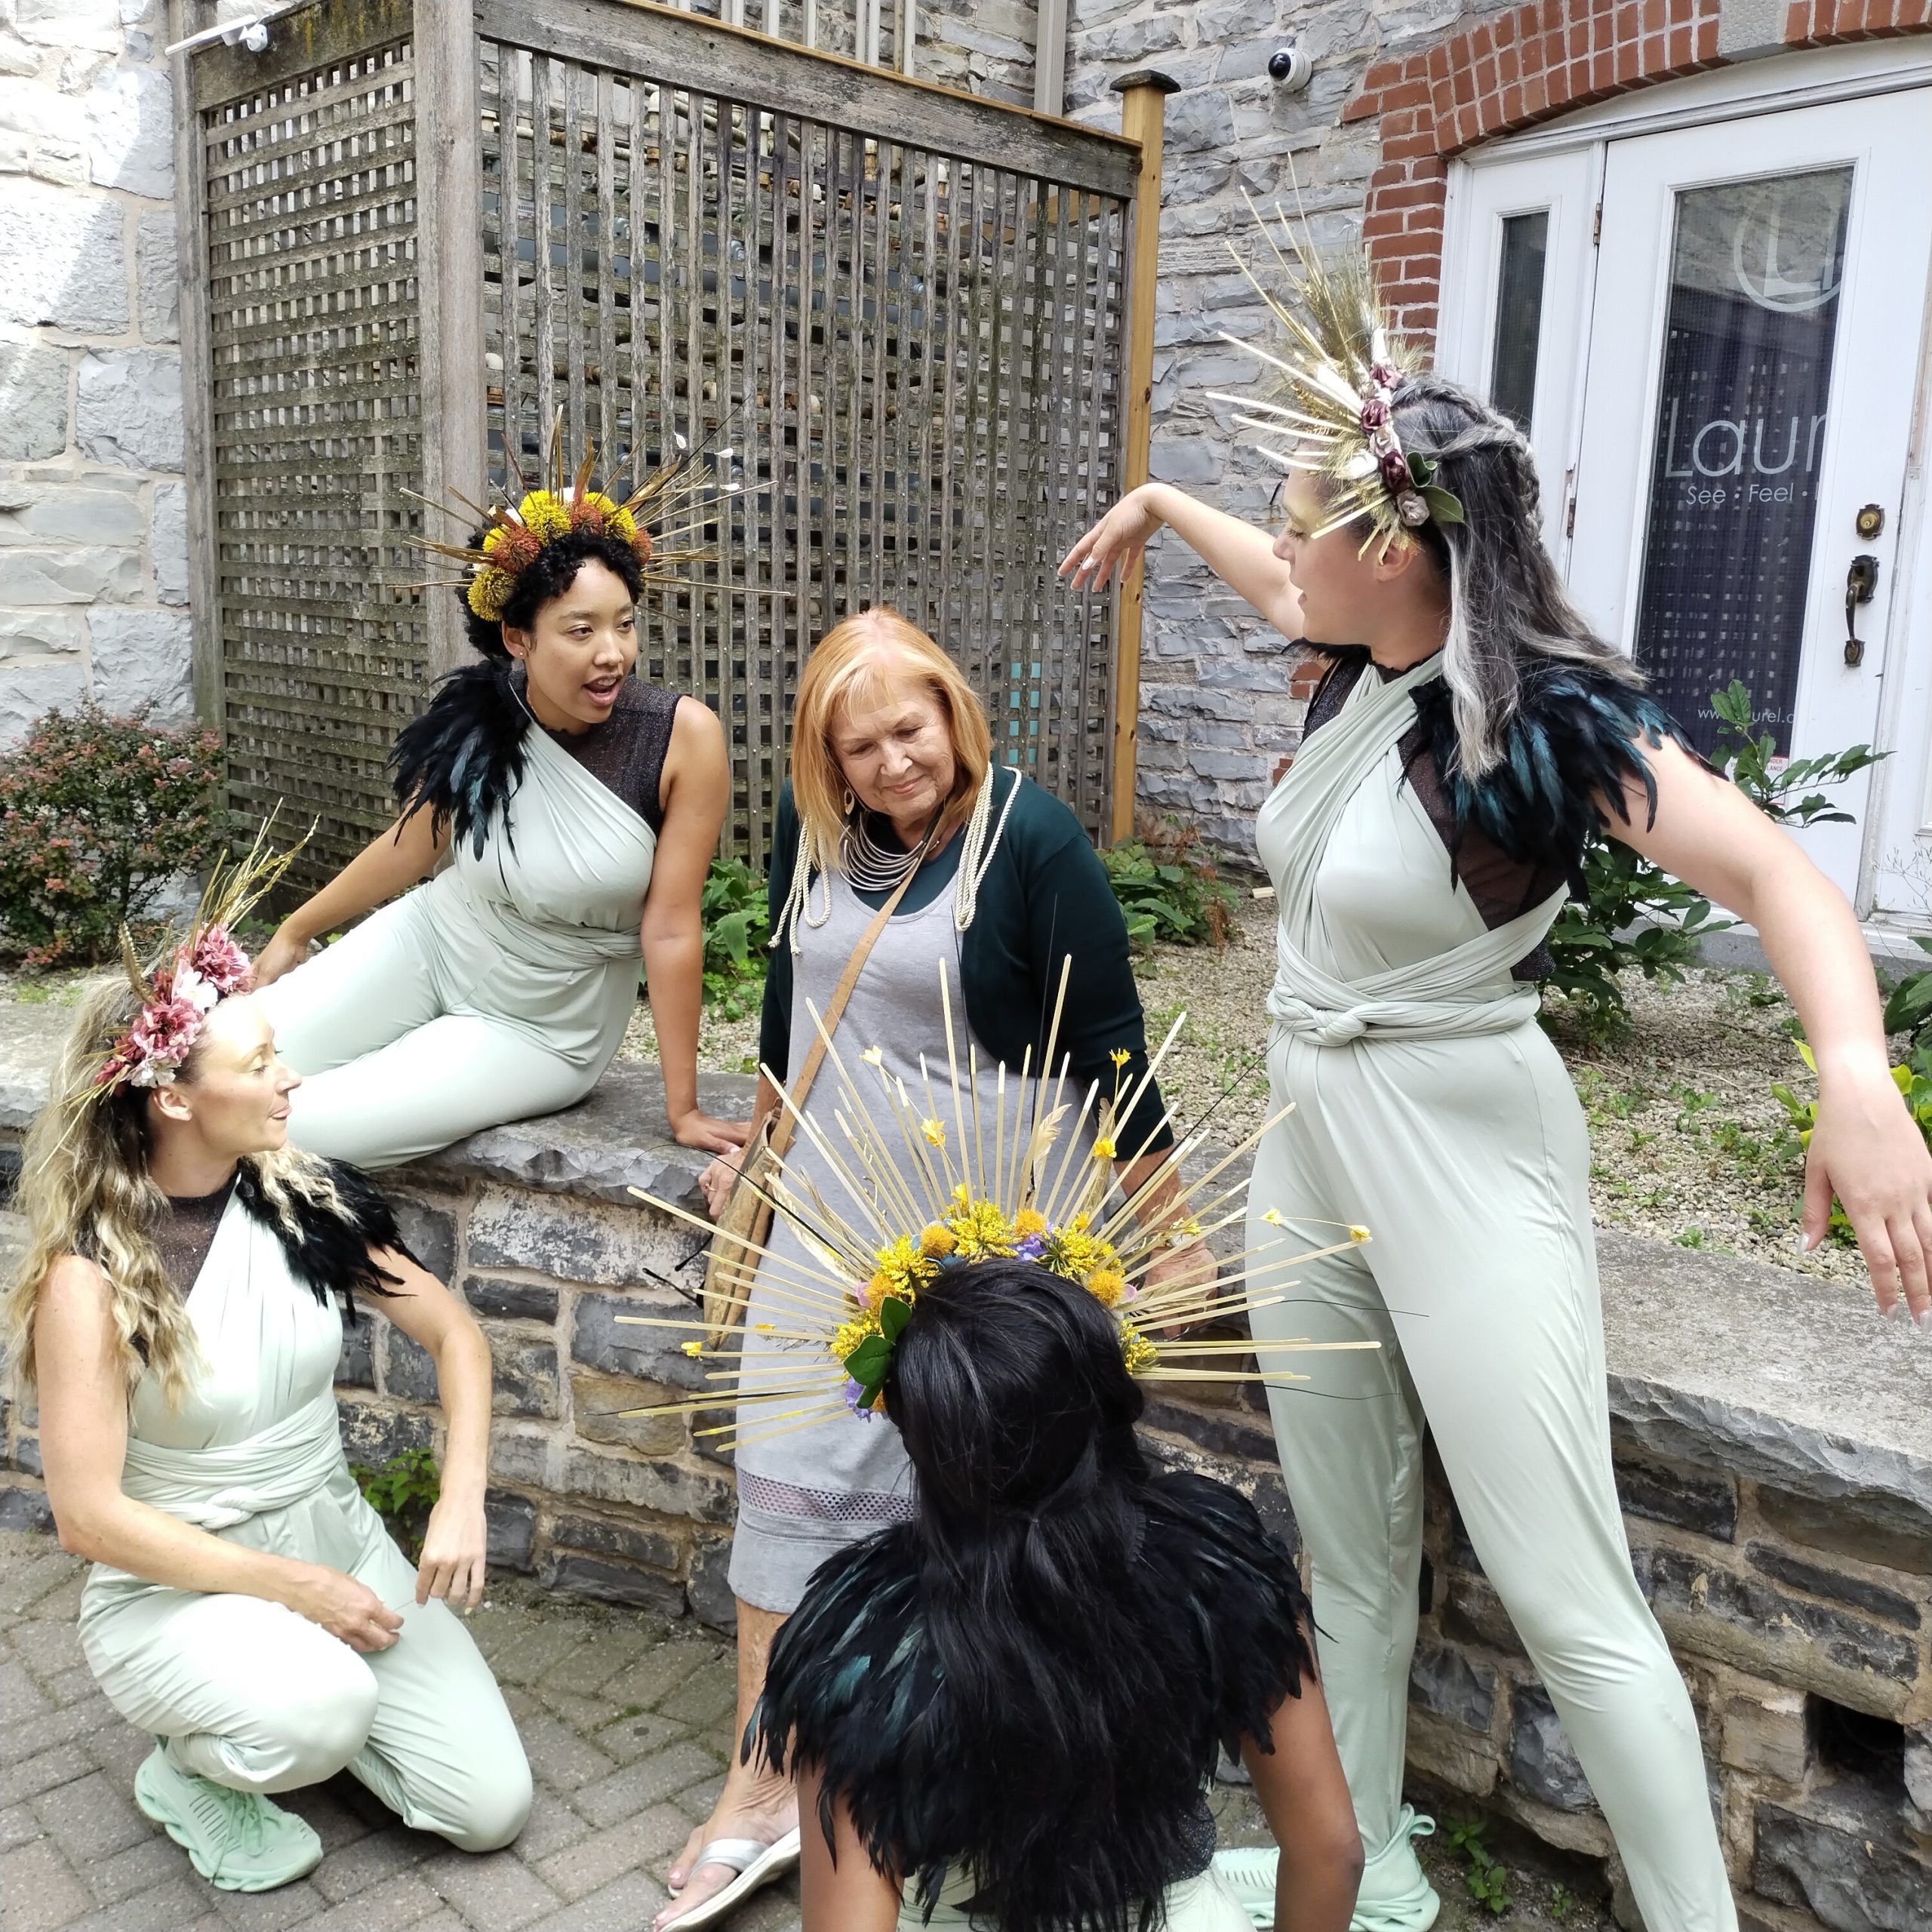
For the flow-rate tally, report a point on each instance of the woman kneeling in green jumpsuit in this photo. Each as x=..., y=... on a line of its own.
x=1463, y=745
x=180, y=1316
x=569, y=813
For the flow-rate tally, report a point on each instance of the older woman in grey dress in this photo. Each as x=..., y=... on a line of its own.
x=893, y=780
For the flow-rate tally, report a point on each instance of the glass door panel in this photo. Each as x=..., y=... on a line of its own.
x=1749, y=329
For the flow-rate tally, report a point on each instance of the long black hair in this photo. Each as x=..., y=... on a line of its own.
x=1090, y=1630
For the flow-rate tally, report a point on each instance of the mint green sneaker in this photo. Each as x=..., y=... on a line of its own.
x=236, y=1840
x=1395, y=1895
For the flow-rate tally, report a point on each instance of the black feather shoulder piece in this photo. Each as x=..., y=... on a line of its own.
x=1578, y=737
x=856, y=1691
x=463, y=757
x=327, y=1243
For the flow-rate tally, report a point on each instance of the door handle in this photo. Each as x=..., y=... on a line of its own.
x=1860, y=581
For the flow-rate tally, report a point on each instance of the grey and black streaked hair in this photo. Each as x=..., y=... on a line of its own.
x=1507, y=605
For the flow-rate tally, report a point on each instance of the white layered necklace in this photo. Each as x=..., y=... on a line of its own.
x=870, y=866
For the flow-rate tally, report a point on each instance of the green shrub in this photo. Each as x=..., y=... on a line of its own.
x=736, y=923
x=403, y=1492
x=97, y=815
x=1168, y=888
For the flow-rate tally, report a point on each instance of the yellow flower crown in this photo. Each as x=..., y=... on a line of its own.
x=916, y=1193
x=515, y=536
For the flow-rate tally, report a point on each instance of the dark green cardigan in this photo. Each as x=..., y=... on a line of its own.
x=1045, y=896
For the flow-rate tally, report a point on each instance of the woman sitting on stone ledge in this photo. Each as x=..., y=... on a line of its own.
x=569, y=813
x=179, y=1316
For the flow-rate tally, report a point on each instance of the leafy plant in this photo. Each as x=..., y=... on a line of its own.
x=1745, y=756
x=1488, y=1881
x=1562, y=1902
x=1632, y=914
x=97, y=815
x=403, y=1492
x=1166, y=887
x=1909, y=1011
x=733, y=908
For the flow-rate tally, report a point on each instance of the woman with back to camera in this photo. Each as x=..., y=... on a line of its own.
x=1010, y=1708
x=1471, y=731
x=570, y=812
x=178, y=1317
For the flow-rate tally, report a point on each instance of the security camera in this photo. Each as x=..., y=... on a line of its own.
x=1290, y=69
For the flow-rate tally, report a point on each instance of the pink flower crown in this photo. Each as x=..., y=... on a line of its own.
x=205, y=971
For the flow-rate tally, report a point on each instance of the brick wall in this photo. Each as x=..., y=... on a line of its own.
x=94, y=549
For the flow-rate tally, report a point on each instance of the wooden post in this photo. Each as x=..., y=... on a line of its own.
x=449, y=230
x=1143, y=116
x=197, y=375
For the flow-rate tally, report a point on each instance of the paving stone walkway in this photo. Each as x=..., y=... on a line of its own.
x=627, y=1718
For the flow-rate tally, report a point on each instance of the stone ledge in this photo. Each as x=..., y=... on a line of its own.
x=1775, y=1375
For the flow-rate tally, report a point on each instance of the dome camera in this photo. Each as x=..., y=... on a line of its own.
x=1290, y=69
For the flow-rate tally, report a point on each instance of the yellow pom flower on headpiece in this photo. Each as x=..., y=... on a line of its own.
x=545, y=518
x=489, y=593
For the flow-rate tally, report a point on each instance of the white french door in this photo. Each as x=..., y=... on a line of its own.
x=1723, y=397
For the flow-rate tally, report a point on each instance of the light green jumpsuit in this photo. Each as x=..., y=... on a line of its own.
x=1430, y=1106
x=499, y=989
x=247, y=1693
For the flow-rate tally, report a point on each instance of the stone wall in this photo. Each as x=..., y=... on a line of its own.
x=1773, y=1446
x=94, y=545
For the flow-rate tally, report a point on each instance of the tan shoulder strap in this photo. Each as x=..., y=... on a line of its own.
x=781, y=1134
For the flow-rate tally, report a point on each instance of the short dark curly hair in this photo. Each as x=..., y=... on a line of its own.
x=546, y=580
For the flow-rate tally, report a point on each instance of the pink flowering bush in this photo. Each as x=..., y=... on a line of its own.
x=96, y=815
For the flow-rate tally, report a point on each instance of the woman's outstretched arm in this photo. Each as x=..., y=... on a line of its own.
x=391, y=863
x=456, y=1541
x=1866, y=1149
x=696, y=787
x=1238, y=553
x=1305, y=1799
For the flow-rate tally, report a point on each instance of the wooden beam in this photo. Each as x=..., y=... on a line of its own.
x=449, y=229
x=683, y=50
x=197, y=379
x=1143, y=119
x=299, y=41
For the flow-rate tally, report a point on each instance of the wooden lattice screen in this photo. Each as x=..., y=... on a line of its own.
x=905, y=312
x=311, y=412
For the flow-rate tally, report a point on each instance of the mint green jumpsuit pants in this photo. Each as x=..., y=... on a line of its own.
x=1430, y=1106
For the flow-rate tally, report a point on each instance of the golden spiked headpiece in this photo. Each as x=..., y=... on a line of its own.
x=922, y=1184
x=1331, y=412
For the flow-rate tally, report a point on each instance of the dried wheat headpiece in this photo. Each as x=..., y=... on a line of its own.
x=1331, y=411
x=675, y=495
x=190, y=976
x=928, y=1183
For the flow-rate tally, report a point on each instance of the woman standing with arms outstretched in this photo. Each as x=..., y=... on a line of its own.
x=569, y=813
x=1470, y=731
